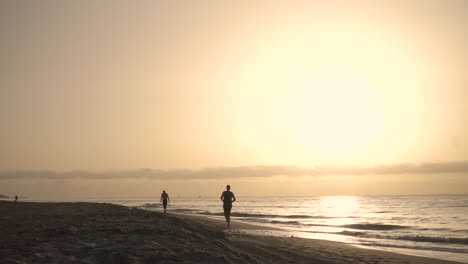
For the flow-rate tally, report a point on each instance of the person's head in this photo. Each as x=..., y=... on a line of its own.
x=164, y=191
x=228, y=187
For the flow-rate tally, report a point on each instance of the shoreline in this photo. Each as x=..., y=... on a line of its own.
x=107, y=233
x=248, y=228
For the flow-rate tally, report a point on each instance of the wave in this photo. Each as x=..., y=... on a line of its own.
x=359, y=226
x=460, y=230
x=434, y=229
x=286, y=222
x=351, y=233
x=413, y=238
x=363, y=226
x=151, y=205
x=177, y=210
x=417, y=238
x=183, y=210
x=419, y=247
x=374, y=226
x=241, y=214
x=251, y=215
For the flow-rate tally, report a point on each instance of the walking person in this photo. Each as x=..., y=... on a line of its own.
x=228, y=198
x=165, y=199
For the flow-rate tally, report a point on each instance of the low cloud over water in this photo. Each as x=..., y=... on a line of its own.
x=242, y=172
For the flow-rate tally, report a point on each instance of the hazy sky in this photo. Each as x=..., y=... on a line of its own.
x=123, y=85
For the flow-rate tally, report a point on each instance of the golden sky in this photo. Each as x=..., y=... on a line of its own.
x=117, y=85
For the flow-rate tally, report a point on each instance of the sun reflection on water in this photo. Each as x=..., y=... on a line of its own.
x=338, y=208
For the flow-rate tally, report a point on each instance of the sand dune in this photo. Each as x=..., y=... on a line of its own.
x=106, y=233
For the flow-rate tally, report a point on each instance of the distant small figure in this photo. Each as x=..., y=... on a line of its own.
x=165, y=199
x=16, y=198
x=228, y=198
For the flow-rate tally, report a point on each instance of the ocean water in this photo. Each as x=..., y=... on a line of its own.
x=432, y=226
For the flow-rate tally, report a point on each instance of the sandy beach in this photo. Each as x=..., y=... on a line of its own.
x=107, y=233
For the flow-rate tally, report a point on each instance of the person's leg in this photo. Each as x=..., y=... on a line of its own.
x=229, y=213
x=225, y=212
x=165, y=205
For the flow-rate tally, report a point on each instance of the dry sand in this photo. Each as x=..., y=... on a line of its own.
x=106, y=233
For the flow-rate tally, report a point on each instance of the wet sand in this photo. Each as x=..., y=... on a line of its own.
x=106, y=233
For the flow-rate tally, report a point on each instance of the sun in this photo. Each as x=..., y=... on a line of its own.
x=335, y=110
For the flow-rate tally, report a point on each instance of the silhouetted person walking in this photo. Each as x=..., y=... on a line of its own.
x=165, y=199
x=16, y=198
x=228, y=198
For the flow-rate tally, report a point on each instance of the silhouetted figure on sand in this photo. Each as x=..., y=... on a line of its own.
x=228, y=198
x=165, y=199
x=16, y=198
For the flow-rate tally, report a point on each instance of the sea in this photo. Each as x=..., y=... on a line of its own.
x=433, y=226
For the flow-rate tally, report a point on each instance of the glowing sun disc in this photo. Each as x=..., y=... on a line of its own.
x=335, y=110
